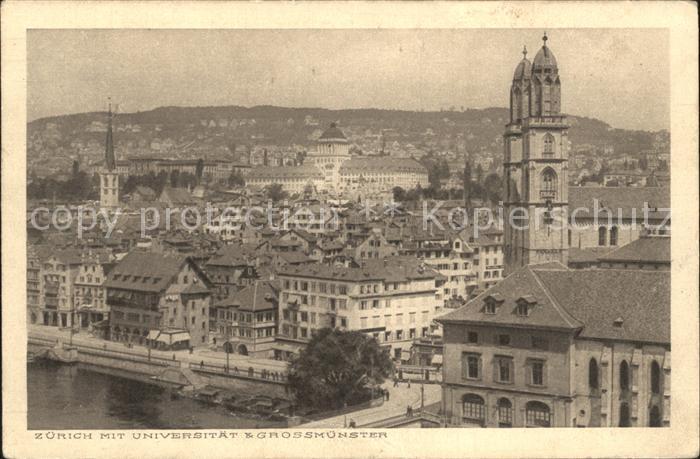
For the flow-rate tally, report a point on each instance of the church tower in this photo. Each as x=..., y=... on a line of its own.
x=535, y=165
x=109, y=179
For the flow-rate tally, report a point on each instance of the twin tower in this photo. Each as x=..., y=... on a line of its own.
x=535, y=165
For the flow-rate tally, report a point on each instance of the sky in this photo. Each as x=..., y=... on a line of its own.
x=620, y=76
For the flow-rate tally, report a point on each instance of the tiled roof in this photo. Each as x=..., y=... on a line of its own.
x=177, y=195
x=589, y=300
x=623, y=198
x=382, y=164
x=233, y=255
x=145, y=271
x=642, y=299
x=270, y=172
x=391, y=269
x=522, y=283
x=294, y=257
x=260, y=296
x=652, y=249
x=587, y=255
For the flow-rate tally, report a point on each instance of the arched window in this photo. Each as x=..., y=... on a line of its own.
x=593, y=374
x=624, y=415
x=548, y=184
x=655, y=378
x=654, y=416
x=548, y=145
x=537, y=415
x=602, y=236
x=505, y=413
x=613, y=235
x=518, y=104
x=473, y=409
x=624, y=376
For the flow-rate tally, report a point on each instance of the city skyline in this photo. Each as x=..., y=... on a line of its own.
x=410, y=70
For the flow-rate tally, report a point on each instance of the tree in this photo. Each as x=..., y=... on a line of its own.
x=236, y=179
x=467, y=179
x=479, y=174
x=187, y=180
x=643, y=165
x=308, y=189
x=399, y=194
x=174, y=178
x=493, y=186
x=275, y=192
x=199, y=169
x=338, y=368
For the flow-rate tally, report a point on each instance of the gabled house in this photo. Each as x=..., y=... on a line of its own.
x=157, y=299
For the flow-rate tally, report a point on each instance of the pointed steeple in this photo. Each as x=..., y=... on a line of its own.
x=110, y=162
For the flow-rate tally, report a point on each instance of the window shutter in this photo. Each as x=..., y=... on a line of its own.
x=464, y=366
x=480, y=370
x=511, y=368
x=495, y=369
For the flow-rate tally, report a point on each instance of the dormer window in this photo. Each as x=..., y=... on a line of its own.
x=524, y=305
x=490, y=306
x=491, y=303
x=523, y=309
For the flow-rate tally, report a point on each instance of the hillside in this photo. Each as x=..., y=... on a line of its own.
x=215, y=132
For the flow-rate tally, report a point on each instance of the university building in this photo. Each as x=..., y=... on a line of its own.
x=333, y=169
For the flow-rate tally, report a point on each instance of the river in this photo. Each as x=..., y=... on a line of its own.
x=69, y=397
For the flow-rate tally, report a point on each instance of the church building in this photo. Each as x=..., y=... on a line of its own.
x=535, y=165
x=109, y=176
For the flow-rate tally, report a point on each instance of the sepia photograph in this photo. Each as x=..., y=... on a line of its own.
x=342, y=231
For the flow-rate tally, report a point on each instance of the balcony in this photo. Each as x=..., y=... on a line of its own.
x=548, y=194
x=545, y=121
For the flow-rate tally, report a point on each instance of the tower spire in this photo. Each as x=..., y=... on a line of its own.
x=524, y=52
x=544, y=39
x=110, y=162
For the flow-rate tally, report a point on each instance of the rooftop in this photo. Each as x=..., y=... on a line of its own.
x=587, y=302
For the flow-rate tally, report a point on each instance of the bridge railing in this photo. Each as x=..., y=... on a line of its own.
x=243, y=372
x=106, y=352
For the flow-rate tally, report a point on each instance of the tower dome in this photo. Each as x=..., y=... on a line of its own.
x=333, y=134
x=524, y=68
x=544, y=59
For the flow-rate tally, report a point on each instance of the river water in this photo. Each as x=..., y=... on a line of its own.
x=68, y=397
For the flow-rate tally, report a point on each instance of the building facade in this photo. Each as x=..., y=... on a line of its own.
x=552, y=347
x=394, y=300
x=90, y=299
x=159, y=300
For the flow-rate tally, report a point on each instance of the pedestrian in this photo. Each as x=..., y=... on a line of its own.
x=409, y=383
x=408, y=411
x=396, y=381
x=201, y=364
x=386, y=395
x=173, y=357
x=352, y=424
